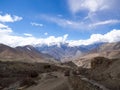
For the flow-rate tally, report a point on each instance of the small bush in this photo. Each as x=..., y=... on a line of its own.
x=34, y=74
x=67, y=73
x=47, y=67
x=75, y=72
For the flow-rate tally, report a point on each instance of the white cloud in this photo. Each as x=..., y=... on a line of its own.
x=52, y=40
x=112, y=21
x=4, y=29
x=7, y=37
x=92, y=11
x=65, y=22
x=28, y=35
x=9, y=18
x=36, y=24
x=45, y=33
x=112, y=36
x=91, y=5
x=79, y=25
x=3, y=26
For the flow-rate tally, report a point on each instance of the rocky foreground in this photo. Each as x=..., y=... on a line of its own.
x=104, y=75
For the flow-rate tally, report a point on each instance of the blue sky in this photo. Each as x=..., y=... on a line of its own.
x=76, y=21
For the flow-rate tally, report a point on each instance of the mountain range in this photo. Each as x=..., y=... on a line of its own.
x=63, y=52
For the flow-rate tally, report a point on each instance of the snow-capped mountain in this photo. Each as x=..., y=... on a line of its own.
x=64, y=52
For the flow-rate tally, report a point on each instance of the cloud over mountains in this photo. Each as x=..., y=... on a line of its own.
x=7, y=37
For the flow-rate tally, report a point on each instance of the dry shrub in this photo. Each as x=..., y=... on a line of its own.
x=34, y=74
x=67, y=73
x=47, y=66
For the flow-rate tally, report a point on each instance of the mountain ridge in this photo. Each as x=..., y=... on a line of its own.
x=107, y=50
x=23, y=53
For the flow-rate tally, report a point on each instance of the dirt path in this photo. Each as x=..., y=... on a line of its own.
x=55, y=83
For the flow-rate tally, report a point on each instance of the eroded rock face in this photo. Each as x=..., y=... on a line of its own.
x=99, y=62
x=106, y=71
